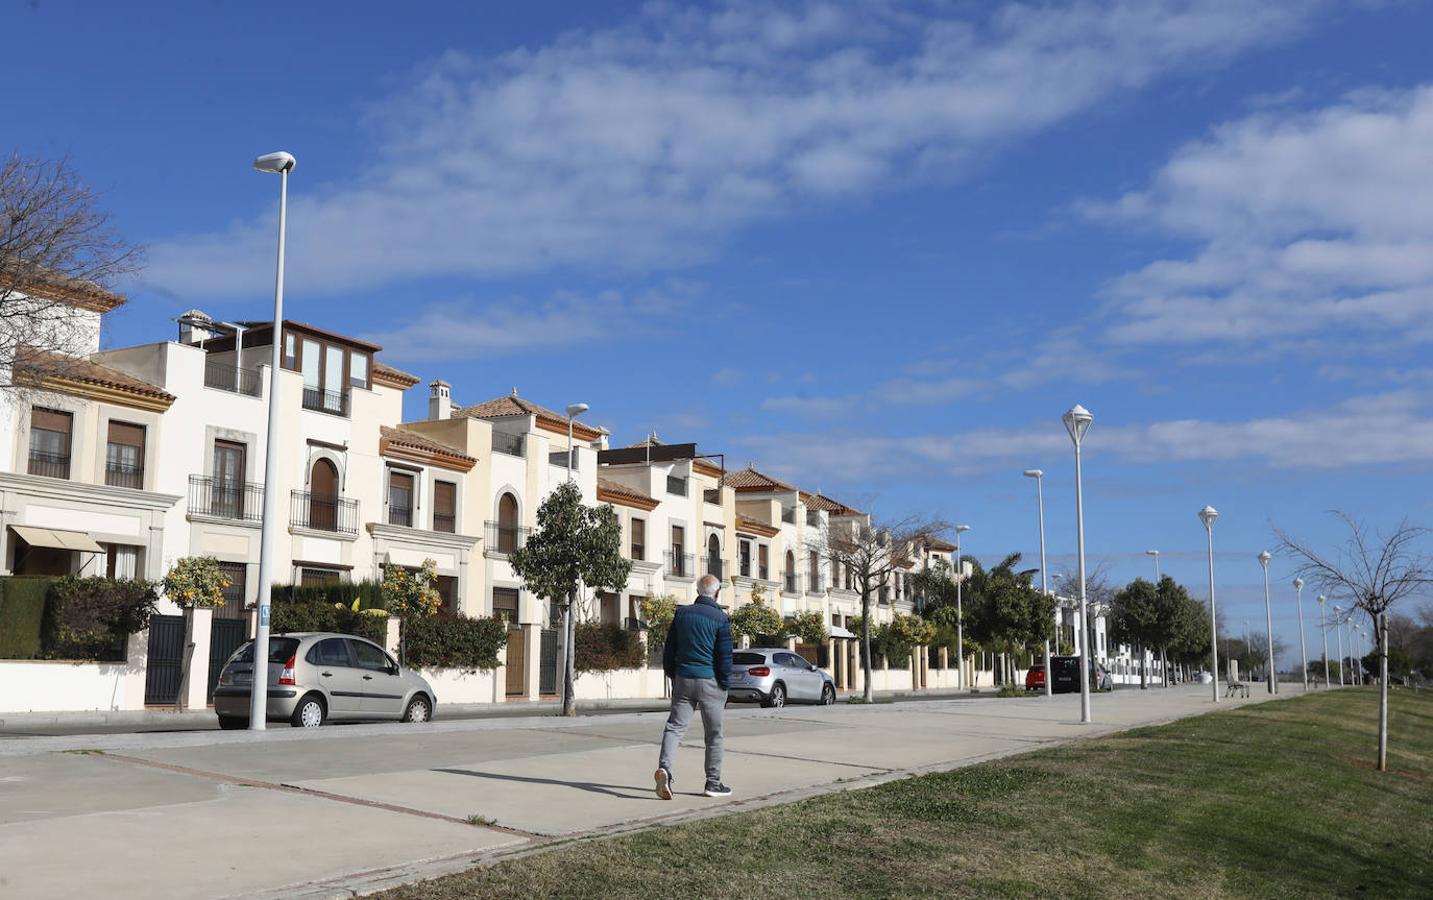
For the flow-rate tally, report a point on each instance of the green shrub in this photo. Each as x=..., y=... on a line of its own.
x=606, y=648
x=289, y=616
x=440, y=642
x=90, y=618
x=22, y=614
x=369, y=594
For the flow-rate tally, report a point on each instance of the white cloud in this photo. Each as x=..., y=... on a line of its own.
x=1309, y=225
x=644, y=145
x=1382, y=429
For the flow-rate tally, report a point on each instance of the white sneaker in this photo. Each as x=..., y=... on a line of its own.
x=664, y=784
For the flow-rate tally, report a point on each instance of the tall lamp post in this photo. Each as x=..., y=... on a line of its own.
x=1155, y=554
x=1207, y=515
x=1303, y=647
x=569, y=624
x=1272, y=681
x=1039, y=477
x=280, y=164
x=959, y=610
x=1077, y=423
x=1324, y=629
x=1342, y=660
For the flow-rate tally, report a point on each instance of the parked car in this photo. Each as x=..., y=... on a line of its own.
x=1064, y=679
x=317, y=677
x=1035, y=677
x=774, y=676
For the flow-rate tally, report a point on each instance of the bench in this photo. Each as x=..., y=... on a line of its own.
x=1237, y=687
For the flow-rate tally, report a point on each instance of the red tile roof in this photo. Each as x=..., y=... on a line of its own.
x=396, y=377
x=44, y=364
x=617, y=492
x=437, y=451
x=749, y=479
x=513, y=405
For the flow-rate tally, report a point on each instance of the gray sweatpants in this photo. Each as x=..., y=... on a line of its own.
x=689, y=694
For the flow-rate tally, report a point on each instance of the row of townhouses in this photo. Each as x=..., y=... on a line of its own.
x=119, y=462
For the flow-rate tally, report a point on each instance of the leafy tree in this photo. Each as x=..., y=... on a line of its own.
x=870, y=552
x=658, y=613
x=934, y=588
x=196, y=582
x=757, y=620
x=809, y=627
x=574, y=544
x=606, y=648
x=1005, y=612
x=1135, y=620
x=412, y=595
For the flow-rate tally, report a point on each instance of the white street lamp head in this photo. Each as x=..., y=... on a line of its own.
x=960, y=529
x=1077, y=423
x=1151, y=553
x=1264, y=558
x=1322, y=599
x=1298, y=584
x=577, y=409
x=1207, y=515
x=1034, y=473
x=276, y=163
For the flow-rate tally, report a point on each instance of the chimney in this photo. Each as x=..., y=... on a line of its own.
x=440, y=403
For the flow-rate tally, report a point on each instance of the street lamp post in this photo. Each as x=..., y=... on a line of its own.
x=569, y=624
x=1303, y=647
x=959, y=610
x=1342, y=660
x=280, y=164
x=1155, y=554
x=1039, y=477
x=1077, y=423
x=1273, y=680
x=1324, y=630
x=1207, y=515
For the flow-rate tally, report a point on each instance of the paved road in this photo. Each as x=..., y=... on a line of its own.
x=325, y=812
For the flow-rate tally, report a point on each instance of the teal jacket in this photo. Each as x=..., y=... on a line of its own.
x=699, y=643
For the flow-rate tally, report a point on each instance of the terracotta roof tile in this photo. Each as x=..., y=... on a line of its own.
x=513, y=405
x=394, y=375
x=404, y=437
x=46, y=364
x=755, y=525
x=750, y=479
x=619, y=489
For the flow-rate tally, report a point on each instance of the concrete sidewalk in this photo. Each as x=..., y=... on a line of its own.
x=334, y=811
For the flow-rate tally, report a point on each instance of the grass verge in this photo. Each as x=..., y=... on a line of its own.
x=1273, y=800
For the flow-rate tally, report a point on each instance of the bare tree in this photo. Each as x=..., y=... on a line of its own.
x=1373, y=571
x=871, y=552
x=59, y=255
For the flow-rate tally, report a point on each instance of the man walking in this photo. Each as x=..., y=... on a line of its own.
x=698, y=660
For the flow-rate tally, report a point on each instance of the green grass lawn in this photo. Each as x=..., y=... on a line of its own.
x=1273, y=800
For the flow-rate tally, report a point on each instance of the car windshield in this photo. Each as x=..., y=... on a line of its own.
x=280, y=649
x=747, y=659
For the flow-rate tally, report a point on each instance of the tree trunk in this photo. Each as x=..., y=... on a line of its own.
x=1164, y=666
x=1143, y=669
x=1381, y=623
x=569, y=656
x=866, y=639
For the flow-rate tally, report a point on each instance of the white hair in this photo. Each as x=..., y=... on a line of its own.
x=708, y=585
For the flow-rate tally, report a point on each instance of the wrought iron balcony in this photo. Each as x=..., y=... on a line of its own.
x=445, y=522
x=509, y=444
x=50, y=465
x=320, y=513
x=229, y=378
x=118, y=474
x=681, y=565
x=240, y=500
x=334, y=403
x=505, y=539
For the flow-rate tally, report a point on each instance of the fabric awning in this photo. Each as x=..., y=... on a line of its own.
x=837, y=631
x=57, y=539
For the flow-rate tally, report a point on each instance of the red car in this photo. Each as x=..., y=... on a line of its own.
x=1035, y=677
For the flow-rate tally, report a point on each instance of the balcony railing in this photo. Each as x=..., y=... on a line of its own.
x=763, y=573
x=788, y=515
x=677, y=484
x=228, y=378
x=505, y=539
x=445, y=522
x=681, y=565
x=400, y=515
x=815, y=584
x=123, y=475
x=332, y=402
x=712, y=496
x=50, y=465
x=310, y=510
x=239, y=500
x=715, y=567
x=639, y=551
x=791, y=583
x=559, y=458
x=509, y=444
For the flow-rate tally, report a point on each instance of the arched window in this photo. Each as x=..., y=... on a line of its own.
x=714, y=556
x=790, y=572
x=507, y=523
x=323, y=496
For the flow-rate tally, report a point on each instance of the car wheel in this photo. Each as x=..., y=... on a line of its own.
x=777, y=700
x=418, y=710
x=828, y=695
x=232, y=723
x=310, y=712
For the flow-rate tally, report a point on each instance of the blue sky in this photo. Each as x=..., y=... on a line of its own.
x=877, y=249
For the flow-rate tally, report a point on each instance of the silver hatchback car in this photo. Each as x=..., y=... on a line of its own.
x=772, y=676
x=315, y=677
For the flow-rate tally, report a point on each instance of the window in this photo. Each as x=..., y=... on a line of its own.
x=714, y=560
x=227, y=492
x=790, y=573
x=124, y=455
x=679, y=544
x=763, y=569
x=291, y=352
x=507, y=523
x=445, y=506
x=813, y=570
x=323, y=496
x=237, y=574
x=746, y=559
x=50, y=432
x=611, y=609
x=358, y=370
x=677, y=484
x=121, y=561
x=447, y=586
x=505, y=604
x=367, y=656
x=330, y=652
x=400, y=498
x=639, y=539
x=309, y=577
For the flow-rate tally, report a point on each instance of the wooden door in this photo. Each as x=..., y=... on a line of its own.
x=323, y=496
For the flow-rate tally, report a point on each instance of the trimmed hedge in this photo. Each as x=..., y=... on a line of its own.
x=442, y=642
x=606, y=648
x=369, y=594
x=322, y=615
x=22, y=615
